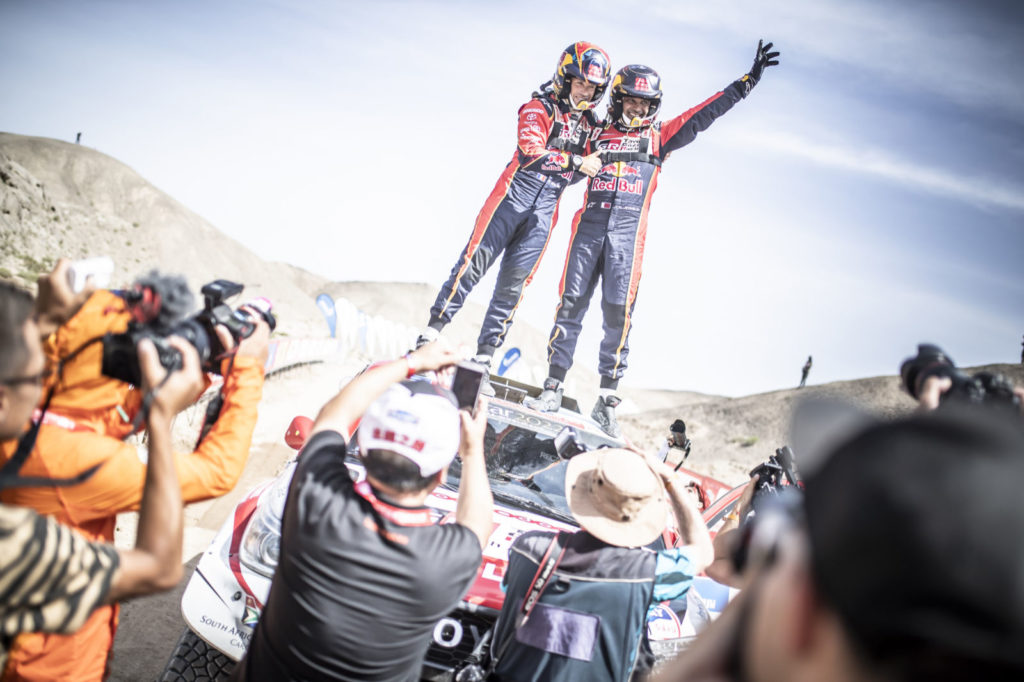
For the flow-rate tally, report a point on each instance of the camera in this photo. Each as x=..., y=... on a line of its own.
x=157, y=305
x=772, y=475
x=983, y=388
x=567, y=443
x=776, y=504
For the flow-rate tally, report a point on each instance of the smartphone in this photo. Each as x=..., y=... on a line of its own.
x=466, y=384
x=99, y=269
x=567, y=443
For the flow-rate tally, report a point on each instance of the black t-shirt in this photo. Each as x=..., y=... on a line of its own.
x=361, y=583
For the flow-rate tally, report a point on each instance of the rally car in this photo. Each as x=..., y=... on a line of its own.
x=225, y=596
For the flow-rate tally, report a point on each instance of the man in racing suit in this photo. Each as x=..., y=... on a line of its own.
x=553, y=148
x=608, y=233
x=84, y=423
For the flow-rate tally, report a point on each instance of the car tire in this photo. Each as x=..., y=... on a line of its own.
x=193, y=660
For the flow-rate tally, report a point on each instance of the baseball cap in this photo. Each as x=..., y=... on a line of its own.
x=616, y=497
x=916, y=528
x=415, y=419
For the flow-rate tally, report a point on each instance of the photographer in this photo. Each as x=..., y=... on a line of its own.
x=931, y=378
x=51, y=578
x=82, y=428
x=586, y=620
x=896, y=573
x=365, y=570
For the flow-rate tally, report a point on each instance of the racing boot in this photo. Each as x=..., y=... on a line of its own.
x=549, y=400
x=604, y=415
x=429, y=334
x=485, y=383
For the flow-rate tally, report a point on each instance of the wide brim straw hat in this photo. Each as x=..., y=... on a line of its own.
x=616, y=497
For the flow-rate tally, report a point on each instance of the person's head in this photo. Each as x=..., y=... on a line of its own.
x=911, y=566
x=581, y=75
x=635, y=96
x=21, y=360
x=615, y=497
x=409, y=436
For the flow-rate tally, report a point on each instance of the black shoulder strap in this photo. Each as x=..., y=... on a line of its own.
x=545, y=571
x=9, y=477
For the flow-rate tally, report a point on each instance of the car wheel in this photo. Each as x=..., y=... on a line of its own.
x=194, y=660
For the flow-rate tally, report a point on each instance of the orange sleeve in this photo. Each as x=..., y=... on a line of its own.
x=216, y=465
x=212, y=470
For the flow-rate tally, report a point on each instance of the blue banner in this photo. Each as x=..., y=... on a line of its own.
x=326, y=305
x=511, y=355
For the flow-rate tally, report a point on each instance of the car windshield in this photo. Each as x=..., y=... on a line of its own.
x=523, y=466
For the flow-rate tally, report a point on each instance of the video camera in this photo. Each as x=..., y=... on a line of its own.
x=158, y=305
x=984, y=388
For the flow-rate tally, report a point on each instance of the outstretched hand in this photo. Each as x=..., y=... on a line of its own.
x=433, y=356
x=56, y=303
x=473, y=426
x=763, y=58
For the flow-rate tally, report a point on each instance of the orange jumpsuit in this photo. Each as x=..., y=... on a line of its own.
x=88, y=422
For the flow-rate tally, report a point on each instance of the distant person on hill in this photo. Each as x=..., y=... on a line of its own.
x=805, y=371
x=78, y=138
x=609, y=232
x=552, y=153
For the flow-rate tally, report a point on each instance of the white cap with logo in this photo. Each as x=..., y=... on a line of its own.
x=415, y=419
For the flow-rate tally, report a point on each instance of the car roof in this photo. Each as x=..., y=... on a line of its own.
x=507, y=404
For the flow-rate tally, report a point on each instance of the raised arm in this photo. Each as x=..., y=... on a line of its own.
x=475, y=508
x=692, y=530
x=682, y=130
x=342, y=412
x=155, y=562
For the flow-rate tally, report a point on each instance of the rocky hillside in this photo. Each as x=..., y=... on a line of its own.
x=58, y=198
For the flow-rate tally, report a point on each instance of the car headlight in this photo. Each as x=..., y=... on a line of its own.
x=260, y=548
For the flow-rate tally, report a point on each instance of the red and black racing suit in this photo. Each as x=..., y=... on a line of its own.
x=608, y=233
x=518, y=215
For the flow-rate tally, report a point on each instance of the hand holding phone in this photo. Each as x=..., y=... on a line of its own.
x=466, y=384
x=99, y=269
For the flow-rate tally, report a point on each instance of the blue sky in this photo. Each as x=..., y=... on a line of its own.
x=868, y=195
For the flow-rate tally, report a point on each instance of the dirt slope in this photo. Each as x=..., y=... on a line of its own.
x=58, y=198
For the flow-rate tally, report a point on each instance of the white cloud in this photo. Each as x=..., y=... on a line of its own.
x=880, y=164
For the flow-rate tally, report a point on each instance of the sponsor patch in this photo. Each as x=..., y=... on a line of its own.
x=252, y=612
x=663, y=623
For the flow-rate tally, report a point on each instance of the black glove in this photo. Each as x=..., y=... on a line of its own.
x=762, y=59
